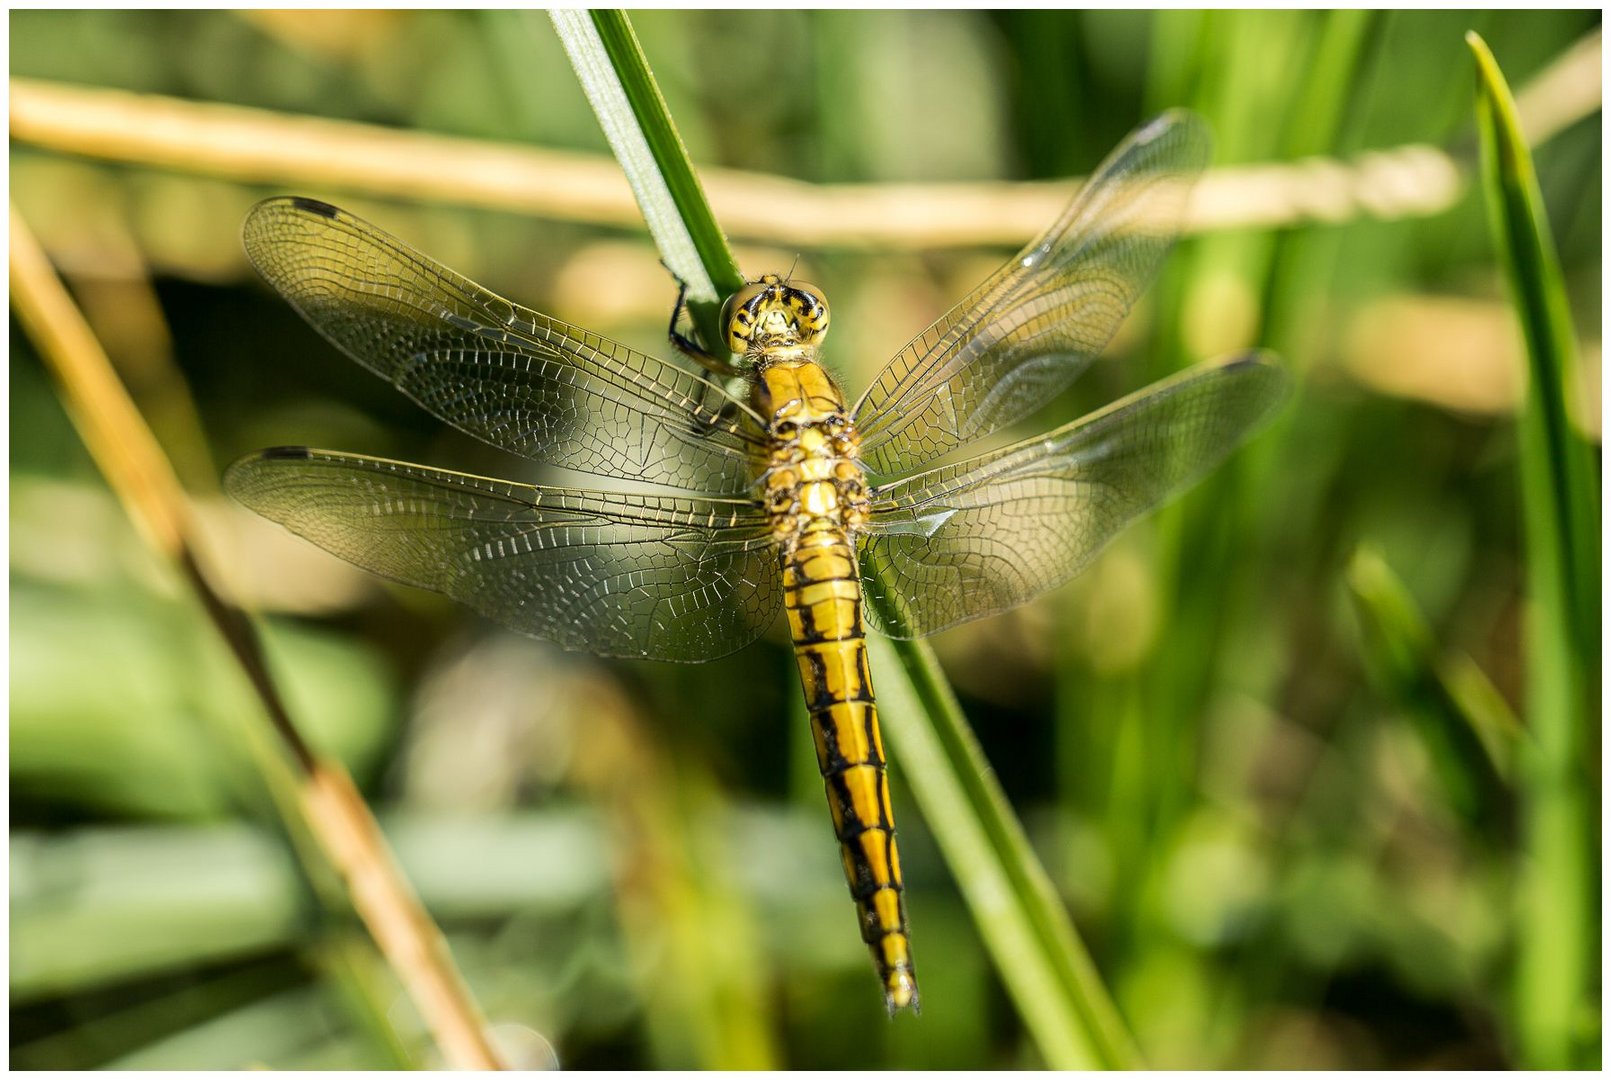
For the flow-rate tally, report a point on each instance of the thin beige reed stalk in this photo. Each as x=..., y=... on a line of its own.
x=263, y=147
x=143, y=479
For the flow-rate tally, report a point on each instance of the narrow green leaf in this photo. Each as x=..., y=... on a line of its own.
x=615, y=76
x=1327, y=84
x=1041, y=959
x=1558, y=933
x=1046, y=967
x=357, y=974
x=1557, y=463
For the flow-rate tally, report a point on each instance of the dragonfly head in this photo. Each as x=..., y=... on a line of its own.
x=773, y=312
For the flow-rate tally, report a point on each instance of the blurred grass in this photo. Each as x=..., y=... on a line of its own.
x=331, y=829
x=1267, y=862
x=1472, y=727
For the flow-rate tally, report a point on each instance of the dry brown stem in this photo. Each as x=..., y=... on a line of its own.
x=258, y=146
x=141, y=475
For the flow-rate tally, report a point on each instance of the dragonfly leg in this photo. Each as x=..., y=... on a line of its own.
x=687, y=345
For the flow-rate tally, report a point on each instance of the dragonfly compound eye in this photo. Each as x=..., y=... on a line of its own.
x=810, y=309
x=739, y=315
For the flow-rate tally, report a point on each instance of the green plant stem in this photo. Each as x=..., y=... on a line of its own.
x=615, y=76
x=1044, y=964
x=1558, y=931
x=1046, y=968
x=323, y=799
x=1562, y=486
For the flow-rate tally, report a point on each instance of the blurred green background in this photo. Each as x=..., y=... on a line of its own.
x=1281, y=849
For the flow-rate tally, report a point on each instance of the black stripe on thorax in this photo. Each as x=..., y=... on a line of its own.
x=805, y=580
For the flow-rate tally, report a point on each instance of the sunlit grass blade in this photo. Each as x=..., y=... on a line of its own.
x=1557, y=463
x=615, y=76
x=1046, y=967
x=1065, y=1005
x=1558, y=933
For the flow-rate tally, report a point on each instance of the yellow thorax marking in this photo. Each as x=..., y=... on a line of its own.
x=811, y=474
x=794, y=394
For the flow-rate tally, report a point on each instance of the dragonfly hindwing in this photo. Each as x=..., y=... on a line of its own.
x=976, y=538
x=617, y=574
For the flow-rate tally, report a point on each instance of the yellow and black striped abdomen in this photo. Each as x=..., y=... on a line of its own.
x=822, y=594
x=817, y=496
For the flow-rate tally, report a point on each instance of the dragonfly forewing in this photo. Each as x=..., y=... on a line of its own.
x=662, y=577
x=968, y=540
x=513, y=377
x=1029, y=330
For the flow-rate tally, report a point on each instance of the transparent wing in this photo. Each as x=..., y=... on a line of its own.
x=507, y=375
x=1036, y=323
x=972, y=539
x=662, y=577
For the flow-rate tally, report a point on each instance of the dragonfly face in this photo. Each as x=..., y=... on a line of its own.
x=771, y=318
x=782, y=497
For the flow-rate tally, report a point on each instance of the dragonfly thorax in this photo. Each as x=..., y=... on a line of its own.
x=813, y=469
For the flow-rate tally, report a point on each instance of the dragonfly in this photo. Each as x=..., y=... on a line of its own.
x=728, y=499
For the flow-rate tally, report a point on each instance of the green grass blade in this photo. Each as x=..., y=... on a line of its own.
x=1051, y=977
x=611, y=67
x=1043, y=962
x=1557, y=463
x=1558, y=935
